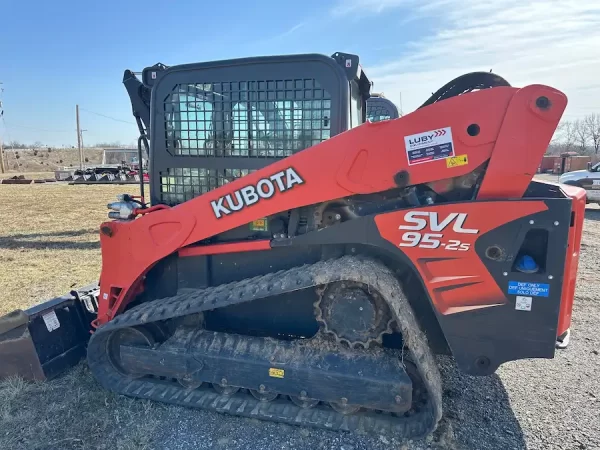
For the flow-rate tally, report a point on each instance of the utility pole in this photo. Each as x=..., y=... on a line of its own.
x=2, y=168
x=82, y=144
x=79, y=147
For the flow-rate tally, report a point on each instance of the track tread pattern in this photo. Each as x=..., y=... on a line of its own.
x=347, y=268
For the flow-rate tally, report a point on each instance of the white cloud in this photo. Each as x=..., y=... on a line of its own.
x=544, y=41
x=292, y=30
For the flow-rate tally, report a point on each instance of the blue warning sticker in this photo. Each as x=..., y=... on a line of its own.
x=532, y=289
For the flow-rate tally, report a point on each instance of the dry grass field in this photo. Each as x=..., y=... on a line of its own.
x=49, y=244
x=49, y=239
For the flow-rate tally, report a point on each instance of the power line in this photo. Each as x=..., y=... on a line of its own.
x=105, y=116
x=34, y=129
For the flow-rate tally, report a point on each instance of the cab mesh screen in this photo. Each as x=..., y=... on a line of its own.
x=242, y=119
x=247, y=118
x=182, y=184
x=377, y=113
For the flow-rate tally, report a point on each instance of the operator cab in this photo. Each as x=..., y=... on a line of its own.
x=210, y=123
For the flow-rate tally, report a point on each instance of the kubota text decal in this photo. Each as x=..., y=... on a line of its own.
x=265, y=188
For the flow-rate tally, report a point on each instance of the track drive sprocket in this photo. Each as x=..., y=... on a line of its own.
x=353, y=314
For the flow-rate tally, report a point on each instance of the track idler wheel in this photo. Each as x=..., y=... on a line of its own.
x=139, y=337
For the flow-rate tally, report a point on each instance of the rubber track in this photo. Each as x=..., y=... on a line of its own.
x=347, y=268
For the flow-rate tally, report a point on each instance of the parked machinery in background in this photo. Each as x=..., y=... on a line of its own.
x=380, y=108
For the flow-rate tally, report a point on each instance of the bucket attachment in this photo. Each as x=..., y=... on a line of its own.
x=47, y=339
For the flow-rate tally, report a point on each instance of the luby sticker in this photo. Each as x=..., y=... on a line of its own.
x=51, y=321
x=429, y=146
x=348, y=63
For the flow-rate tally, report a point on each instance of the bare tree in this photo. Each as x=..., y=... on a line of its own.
x=565, y=137
x=15, y=144
x=592, y=125
x=581, y=134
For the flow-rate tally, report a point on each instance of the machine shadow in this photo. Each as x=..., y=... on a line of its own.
x=38, y=241
x=478, y=410
x=592, y=214
x=65, y=233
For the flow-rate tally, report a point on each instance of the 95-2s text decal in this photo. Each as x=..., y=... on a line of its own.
x=416, y=221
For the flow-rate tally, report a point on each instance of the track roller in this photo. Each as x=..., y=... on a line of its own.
x=223, y=389
x=343, y=407
x=303, y=401
x=263, y=394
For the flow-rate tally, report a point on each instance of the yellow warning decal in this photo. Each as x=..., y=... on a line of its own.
x=455, y=161
x=259, y=225
x=276, y=373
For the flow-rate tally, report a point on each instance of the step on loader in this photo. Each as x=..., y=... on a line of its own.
x=295, y=262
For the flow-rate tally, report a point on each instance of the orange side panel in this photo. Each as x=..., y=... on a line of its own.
x=457, y=280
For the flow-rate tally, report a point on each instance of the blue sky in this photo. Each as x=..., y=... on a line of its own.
x=54, y=55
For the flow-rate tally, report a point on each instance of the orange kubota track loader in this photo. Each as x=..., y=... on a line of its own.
x=299, y=265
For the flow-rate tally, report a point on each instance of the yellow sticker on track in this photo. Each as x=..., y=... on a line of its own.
x=276, y=373
x=455, y=161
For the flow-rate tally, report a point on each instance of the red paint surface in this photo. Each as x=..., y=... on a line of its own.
x=219, y=249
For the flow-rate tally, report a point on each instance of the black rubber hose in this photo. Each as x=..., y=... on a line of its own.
x=466, y=83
